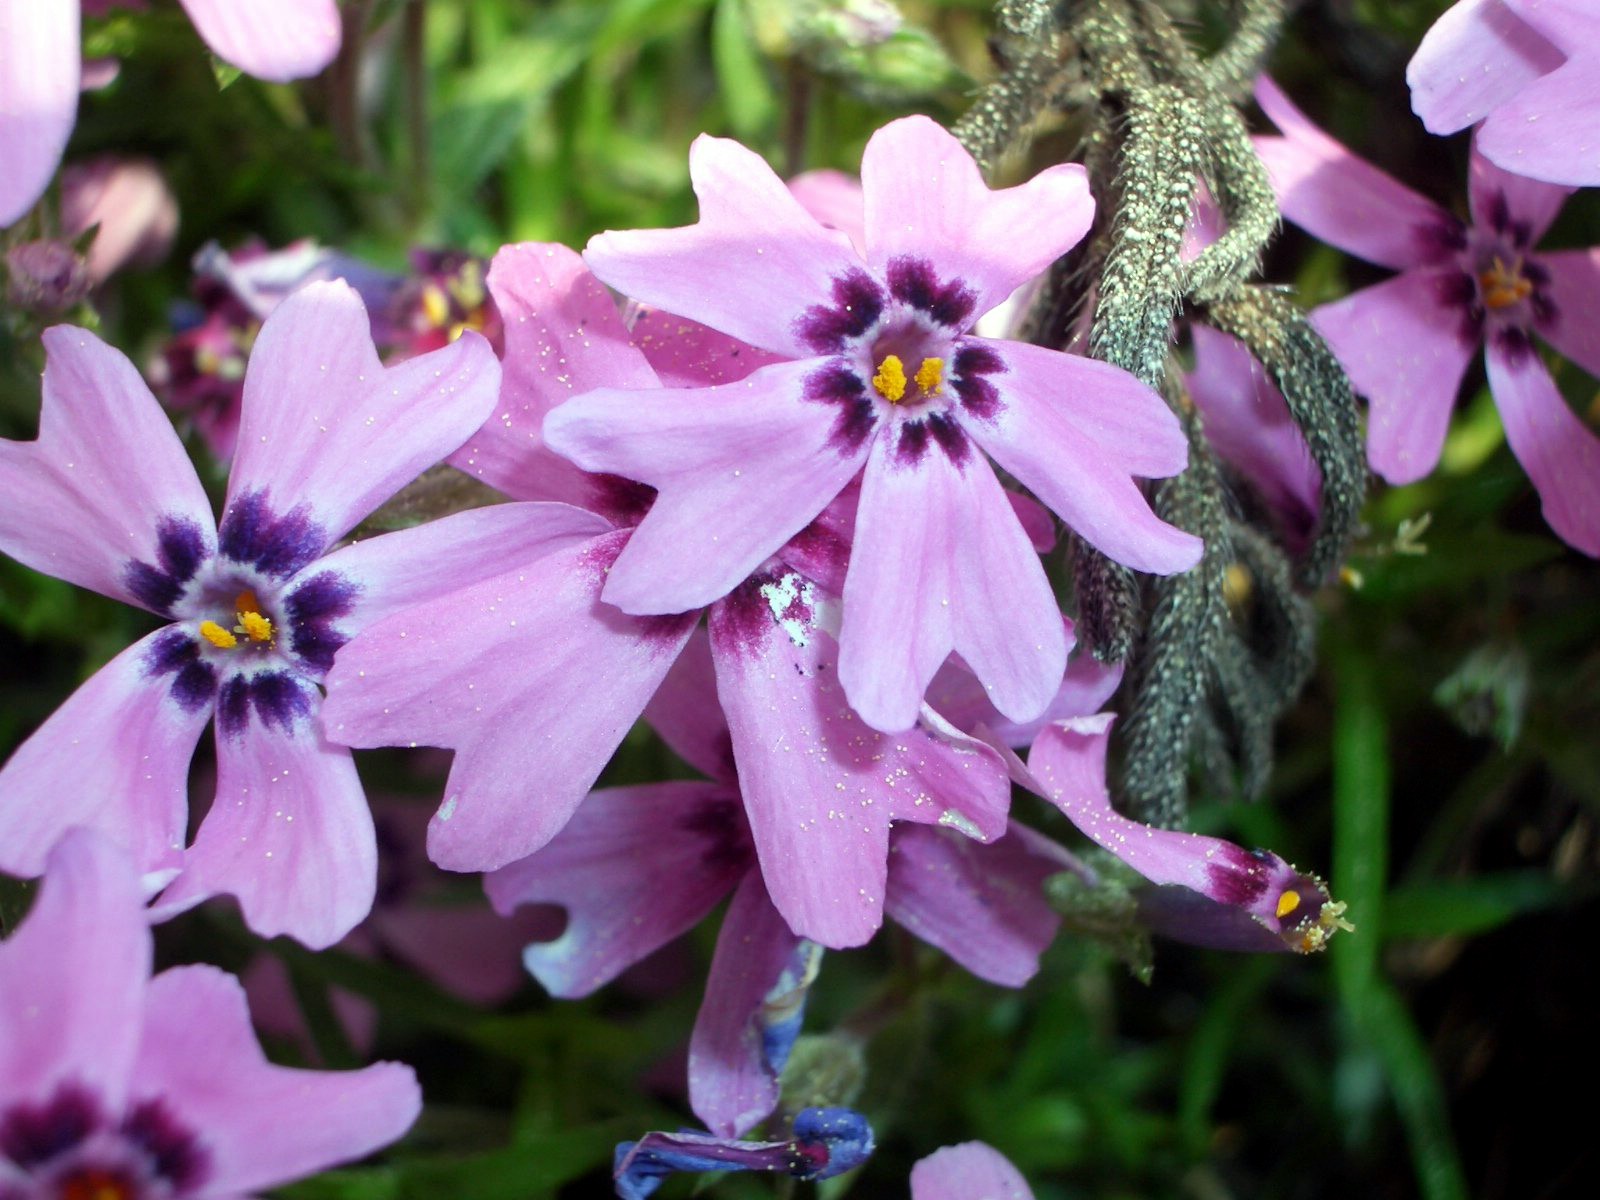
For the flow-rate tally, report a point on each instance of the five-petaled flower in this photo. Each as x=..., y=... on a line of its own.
x=118, y=1086
x=256, y=606
x=882, y=377
x=1406, y=343
x=1527, y=69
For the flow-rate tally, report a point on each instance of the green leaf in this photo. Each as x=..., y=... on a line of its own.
x=741, y=74
x=1461, y=907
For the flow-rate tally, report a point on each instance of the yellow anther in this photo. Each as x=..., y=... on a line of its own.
x=217, y=635
x=890, y=379
x=1504, y=286
x=467, y=286
x=1237, y=584
x=1287, y=903
x=255, y=626
x=435, y=305
x=929, y=375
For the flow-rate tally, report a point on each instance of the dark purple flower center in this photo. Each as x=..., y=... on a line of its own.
x=255, y=627
x=897, y=360
x=1500, y=289
x=68, y=1148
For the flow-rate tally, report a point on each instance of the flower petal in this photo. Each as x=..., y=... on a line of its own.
x=534, y=651
x=964, y=1172
x=957, y=696
x=563, y=337
x=107, y=483
x=821, y=788
x=73, y=975
x=1510, y=204
x=263, y=1125
x=38, y=98
x=1564, y=107
x=1077, y=454
x=685, y=353
x=686, y=713
x=414, y=566
x=925, y=197
x=635, y=867
x=941, y=564
x=1247, y=422
x=114, y=757
x=1067, y=766
x=751, y=265
x=1574, y=291
x=983, y=905
x=1560, y=453
x=1406, y=350
x=325, y=424
x=1339, y=197
x=732, y=1082
x=280, y=41
x=740, y=469
x=835, y=199
x=1475, y=57
x=289, y=833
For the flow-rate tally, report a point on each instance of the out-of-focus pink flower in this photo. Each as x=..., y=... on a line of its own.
x=199, y=372
x=1530, y=71
x=1406, y=343
x=967, y=1172
x=41, y=72
x=129, y=201
x=444, y=296
x=879, y=377
x=113, y=1083
x=255, y=607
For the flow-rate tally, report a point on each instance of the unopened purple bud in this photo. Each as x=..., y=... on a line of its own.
x=46, y=277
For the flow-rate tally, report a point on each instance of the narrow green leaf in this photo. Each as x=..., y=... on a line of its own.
x=1459, y=907
x=741, y=73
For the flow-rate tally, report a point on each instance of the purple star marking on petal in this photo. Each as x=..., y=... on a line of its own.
x=277, y=545
x=180, y=550
x=195, y=681
x=857, y=304
x=35, y=1133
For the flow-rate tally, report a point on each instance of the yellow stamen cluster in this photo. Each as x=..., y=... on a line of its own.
x=1504, y=286
x=890, y=381
x=252, y=624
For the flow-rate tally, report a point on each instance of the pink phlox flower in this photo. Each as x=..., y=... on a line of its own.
x=879, y=374
x=967, y=1172
x=113, y=1083
x=1406, y=343
x=1530, y=71
x=638, y=866
x=536, y=649
x=1207, y=891
x=254, y=607
x=40, y=71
